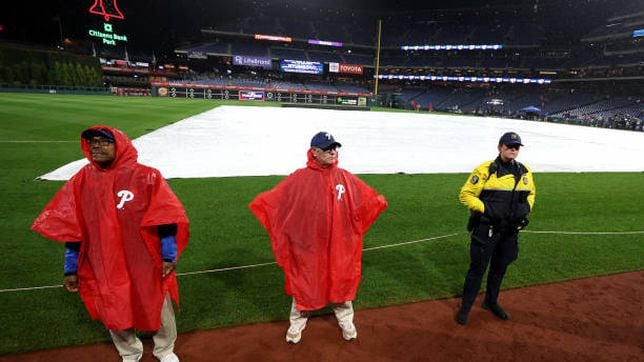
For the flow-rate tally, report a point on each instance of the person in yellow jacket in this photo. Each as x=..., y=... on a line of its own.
x=500, y=195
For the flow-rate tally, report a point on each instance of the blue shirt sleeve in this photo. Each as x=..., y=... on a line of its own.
x=169, y=248
x=71, y=257
x=168, y=242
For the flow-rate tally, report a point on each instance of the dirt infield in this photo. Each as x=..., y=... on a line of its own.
x=598, y=319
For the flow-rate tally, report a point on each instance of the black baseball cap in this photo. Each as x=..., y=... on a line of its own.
x=510, y=138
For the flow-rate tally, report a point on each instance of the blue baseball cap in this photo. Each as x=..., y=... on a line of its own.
x=510, y=138
x=90, y=133
x=324, y=140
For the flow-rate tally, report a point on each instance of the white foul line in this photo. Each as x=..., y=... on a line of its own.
x=366, y=249
x=35, y=141
x=30, y=288
x=584, y=232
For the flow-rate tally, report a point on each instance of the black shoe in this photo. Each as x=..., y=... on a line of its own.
x=496, y=310
x=461, y=316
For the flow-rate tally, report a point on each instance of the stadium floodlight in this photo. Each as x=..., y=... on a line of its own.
x=453, y=78
x=453, y=47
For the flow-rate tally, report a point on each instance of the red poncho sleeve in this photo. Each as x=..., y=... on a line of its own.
x=59, y=220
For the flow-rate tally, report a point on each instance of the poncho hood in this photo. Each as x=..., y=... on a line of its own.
x=126, y=154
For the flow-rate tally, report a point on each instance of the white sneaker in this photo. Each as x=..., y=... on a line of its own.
x=349, y=331
x=170, y=357
x=293, y=335
x=136, y=359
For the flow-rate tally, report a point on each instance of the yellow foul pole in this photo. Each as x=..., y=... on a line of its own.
x=375, y=88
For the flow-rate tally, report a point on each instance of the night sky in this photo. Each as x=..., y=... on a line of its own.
x=163, y=25
x=158, y=24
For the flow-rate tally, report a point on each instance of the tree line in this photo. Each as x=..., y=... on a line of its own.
x=37, y=67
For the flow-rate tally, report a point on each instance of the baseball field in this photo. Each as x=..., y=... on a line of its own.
x=584, y=224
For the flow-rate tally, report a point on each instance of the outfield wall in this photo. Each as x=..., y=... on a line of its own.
x=258, y=94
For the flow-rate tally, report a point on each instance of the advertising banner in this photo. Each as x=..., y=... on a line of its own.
x=259, y=62
x=251, y=95
x=197, y=54
x=346, y=68
x=301, y=66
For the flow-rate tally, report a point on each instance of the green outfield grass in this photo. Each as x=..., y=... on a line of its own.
x=225, y=234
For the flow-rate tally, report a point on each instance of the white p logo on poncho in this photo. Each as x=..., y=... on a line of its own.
x=125, y=196
x=340, y=189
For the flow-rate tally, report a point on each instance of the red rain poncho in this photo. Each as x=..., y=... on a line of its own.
x=316, y=219
x=119, y=264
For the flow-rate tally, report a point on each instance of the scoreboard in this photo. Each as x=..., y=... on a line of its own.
x=285, y=96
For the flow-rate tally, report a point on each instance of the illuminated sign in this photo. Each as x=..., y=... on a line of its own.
x=107, y=35
x=347, y=101
x=251, y=95
x=301, y=66
x=261, y=62
x=638, y=33
x=197, y=54
x=273, y=38
x=106, y=8
x=346, y=68
x=325, y=42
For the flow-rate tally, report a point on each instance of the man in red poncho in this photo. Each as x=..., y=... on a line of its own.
x=124, y=230
x=316, y=219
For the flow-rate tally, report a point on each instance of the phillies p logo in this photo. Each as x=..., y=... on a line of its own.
x=340, y=189
x=125, y=196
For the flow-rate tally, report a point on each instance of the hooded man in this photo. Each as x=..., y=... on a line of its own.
x=124, y=230
x=316, y=219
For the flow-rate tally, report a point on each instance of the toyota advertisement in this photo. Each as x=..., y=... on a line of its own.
x=346, y=68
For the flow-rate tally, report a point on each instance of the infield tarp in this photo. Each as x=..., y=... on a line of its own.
x=259, y=141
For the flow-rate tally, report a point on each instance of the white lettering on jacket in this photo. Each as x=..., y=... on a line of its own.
x=125, y=196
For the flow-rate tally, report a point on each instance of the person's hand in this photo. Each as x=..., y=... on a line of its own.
x=167, y=268
x=523, y=223
x=71, y=283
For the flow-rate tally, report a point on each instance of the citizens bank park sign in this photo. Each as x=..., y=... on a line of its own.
x=107, y=9
x=346, y=68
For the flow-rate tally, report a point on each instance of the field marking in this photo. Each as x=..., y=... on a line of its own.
x=584, y=232
x=271, y=263
x=250, y=266
x=34, y=141
x=410, y=242
x=226, y=269
x=30, y=288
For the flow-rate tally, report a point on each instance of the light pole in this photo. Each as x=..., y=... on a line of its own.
x=60, y=30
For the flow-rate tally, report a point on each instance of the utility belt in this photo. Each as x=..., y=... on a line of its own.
x=477, y=219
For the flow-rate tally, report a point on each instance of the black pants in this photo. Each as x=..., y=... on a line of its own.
x=498, y=248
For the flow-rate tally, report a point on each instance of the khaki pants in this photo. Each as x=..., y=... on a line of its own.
x=343, y=313
x=130, y=346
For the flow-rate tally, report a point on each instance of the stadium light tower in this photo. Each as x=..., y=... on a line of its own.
x=60, y=31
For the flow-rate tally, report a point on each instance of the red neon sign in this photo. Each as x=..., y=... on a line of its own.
x=107, y=8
